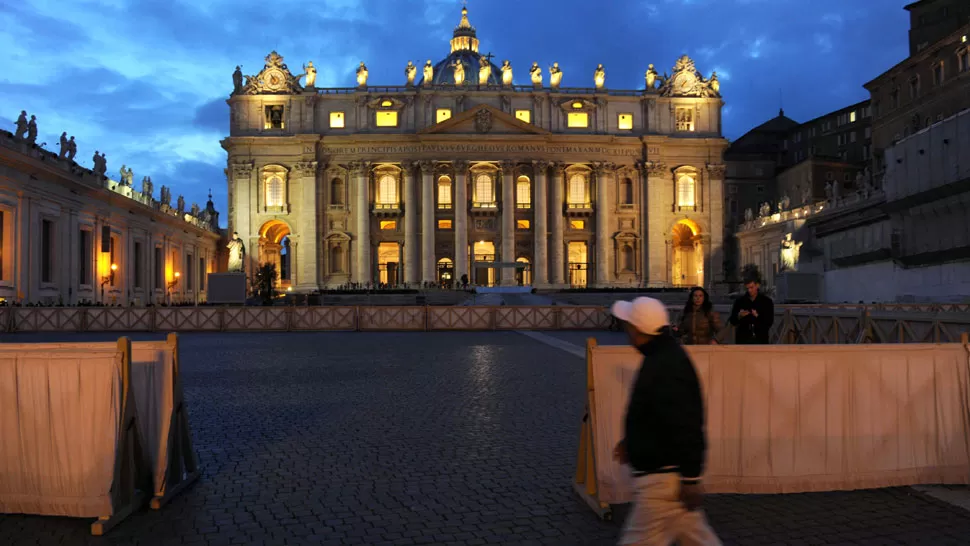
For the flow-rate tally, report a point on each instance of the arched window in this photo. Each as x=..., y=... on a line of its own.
x=523, y=193
x=576, y=194
x=685, y=190
x=387, y=190
x=336, y=192
x=626, y=258
x=274, y=191
x=336, y=259
x=484, y=190
x=444, y=192
x=626, y=192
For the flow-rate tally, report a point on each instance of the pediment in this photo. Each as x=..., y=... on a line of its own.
x=484, y=120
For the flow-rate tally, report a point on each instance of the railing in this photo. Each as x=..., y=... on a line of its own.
x=791, y=326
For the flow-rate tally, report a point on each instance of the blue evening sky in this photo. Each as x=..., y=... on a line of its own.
x=145, y=81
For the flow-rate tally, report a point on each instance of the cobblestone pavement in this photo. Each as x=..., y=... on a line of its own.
x=428, y=438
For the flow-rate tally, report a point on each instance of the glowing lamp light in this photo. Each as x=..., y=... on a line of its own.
x=114, y=267
x=177, y=274
x=289, y=288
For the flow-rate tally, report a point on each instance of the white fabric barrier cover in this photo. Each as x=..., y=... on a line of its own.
x=152, y=389
x=59, y=415
x=801, y=418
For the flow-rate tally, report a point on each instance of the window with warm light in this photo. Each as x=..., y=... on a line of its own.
x=274, y=191
x=685, y=191
x=387, y=191
x=577, y=120
x=444, y=224
x=624, y=122
x=852, y=117
x=484, y=191
x=685, y=119
x=444, y=193
x=388, y=225
x=337, y=120
x=524, y=115
x=386, y=104
x=523, y=193
x=522, y=224
x=386, y=118
x=577, y=224
x=577, y=196
x=442, y=114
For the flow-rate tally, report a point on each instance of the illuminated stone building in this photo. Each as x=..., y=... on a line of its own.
x=459, y=170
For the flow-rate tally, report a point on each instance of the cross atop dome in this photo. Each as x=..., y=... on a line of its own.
x=464, y=35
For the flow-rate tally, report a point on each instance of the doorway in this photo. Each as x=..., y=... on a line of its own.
x=578, y=264
x=483, y=251
x=388, y=262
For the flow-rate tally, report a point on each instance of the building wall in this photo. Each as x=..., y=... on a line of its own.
x=52, y=216
x=842, y=135
x=885, y=281
x=933, y=20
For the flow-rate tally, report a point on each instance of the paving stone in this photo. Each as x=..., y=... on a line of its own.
x=425, y=438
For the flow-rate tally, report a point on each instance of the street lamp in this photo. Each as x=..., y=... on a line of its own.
x=106, y=279
x=172, y=284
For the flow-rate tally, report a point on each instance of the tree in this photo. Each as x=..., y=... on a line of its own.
x=264, y=282
x=750, y=272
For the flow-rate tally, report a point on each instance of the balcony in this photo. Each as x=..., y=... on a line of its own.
x=578, y=209
x=445, y=206
x=484, y=208
x=385, y=210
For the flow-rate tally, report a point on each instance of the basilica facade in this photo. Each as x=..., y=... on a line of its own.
x=459, y=172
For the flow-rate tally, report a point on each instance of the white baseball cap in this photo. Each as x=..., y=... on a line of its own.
x=645, y=314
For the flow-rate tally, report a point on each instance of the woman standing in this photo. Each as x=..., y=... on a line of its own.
x=699, y=323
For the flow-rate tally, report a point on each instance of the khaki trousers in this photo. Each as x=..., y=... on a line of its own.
x=658, y=518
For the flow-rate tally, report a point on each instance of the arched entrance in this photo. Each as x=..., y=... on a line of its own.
x=482, y=252
x=523, y=271
x=578, y=255
x=388, y=263
x=274, y=248
x=446, y=273
x=687, y=255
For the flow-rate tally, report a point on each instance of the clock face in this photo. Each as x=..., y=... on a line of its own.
x=275, y=79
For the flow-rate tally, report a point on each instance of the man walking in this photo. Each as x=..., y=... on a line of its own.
x=752, y=315
x=664, y=441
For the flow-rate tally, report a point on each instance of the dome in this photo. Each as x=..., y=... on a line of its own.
x=464, y=49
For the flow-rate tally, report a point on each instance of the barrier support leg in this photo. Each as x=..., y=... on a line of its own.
x=585, y=483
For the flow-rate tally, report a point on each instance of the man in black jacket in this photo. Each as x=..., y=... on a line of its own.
x=664, y=440
x=752, y=315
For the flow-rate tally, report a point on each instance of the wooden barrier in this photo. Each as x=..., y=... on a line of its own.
x=114, y=468
x=792, y=325
x=797, y=419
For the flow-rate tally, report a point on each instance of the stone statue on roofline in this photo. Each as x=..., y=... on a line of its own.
x=506, y=73
x=748, y=215
x=180, y=205
x=21, y=125
x=32, y=130
x=362, y=75
x=410, y=71
x=237, y=80
x=428, y=73
x=536, y=73
x=555, y=76
x=311, y=74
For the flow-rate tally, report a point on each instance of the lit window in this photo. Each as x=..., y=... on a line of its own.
x=577, y=120
x=444, y=224
x=337, y=120
x=388, y=225
x=576, y=196
x=523, y=191
x=852, y=116
x=387, y=104
x=444, y=193
x=387, y=191
x=625, y=122
x=484, y=191
x=274, y=192
x=521, y=224
x=685, y=119
x=524, y=115
x=685, y=191
x=577, y=224
x=386, y=119
x=577, y=105
x=442, y=114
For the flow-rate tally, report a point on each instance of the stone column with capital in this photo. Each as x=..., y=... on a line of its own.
x=604, y=178
x=427, y=222
x=412, y=263
x=460, y=200
x=540, y=230
x=658, y=176
x=557, y=261
x=360, y=173
x=714, y=272
x=508, y=222
x=306, y=264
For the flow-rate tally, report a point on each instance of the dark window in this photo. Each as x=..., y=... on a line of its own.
x=189, y=273
x=201, y=273
x=159, y=268
x=47, y=251
x=1, y=244
x=84, y=258
x=139, y=265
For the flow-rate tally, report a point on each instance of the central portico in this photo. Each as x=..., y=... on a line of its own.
x=463, y=172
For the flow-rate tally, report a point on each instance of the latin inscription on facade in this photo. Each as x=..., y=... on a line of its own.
x=478, y=148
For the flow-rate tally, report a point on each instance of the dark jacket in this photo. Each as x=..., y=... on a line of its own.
x=750, y=330
x=665, y=416
x=698, y=328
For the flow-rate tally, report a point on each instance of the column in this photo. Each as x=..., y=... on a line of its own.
x=305, y=265
x=508, y=222
x=657, y=199
x=540, y=230
x=359, y=172
x=604, y=178
x=557, y=261
x=715, y=206
x=459, y=199
x=427, y=222
x=411, y=264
